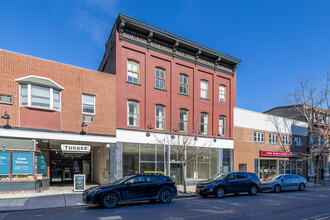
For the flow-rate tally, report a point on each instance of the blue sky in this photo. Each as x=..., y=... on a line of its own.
x=277, y=41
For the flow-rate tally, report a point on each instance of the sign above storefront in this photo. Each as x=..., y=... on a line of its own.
x=69, y=148
x=278, y=154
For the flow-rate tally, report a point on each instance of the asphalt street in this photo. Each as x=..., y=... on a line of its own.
x=312, y=204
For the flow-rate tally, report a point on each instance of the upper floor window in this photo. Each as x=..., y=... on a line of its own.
x=320, y=118
x=298, y=141
x=222, y=126
x=286, y=140
x=327, y=120
x=88, y=104
x=160, y=78
x=133, y=71
x=184, y=84
x=273, y=139
x=183, y=120
x=40, y=97
x=204, y=89
x=204, y=123
x=222, y=93
x=259, y=137
x=160, y=117
x=133, y=113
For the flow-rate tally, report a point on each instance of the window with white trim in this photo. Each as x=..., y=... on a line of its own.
x=133, y=113
x=286, y=140
x=184, y=84
x=327, y=119
x=160, y=78
x=222, y=93
x=273, y=139
x=204, y=123
x=40, y=97
x=133, y=71
x=298, y=141
x=160, y=117
x=222, y=126
x=204, y=89
x=259, y=137
x=183, y=120
x=88, y=104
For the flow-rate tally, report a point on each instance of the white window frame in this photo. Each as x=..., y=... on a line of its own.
x=184, y=85
x=133, y=72
x=205, y=124
x=29, y=97
x=286, y=139
x=132, y=113
x=207, y=89
x=161, y=118
x=222, y=127
x=298, y=141
x=185, y=122
x=159, y=78
x=222, y=93
x=82, y=104
x=259, y=137
x=273, y=138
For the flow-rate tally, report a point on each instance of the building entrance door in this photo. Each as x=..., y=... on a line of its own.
x=176, y=173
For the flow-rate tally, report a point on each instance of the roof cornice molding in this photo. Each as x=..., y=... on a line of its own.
x=123, y=20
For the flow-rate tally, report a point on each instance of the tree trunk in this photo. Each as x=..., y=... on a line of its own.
x=184, y=178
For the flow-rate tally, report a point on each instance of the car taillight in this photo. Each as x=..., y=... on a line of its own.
x=173, y=182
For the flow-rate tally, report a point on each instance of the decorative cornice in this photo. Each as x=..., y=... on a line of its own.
x=139, y=26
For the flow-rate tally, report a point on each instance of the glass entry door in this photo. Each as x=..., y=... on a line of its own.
x=267, y=168
x=176, y=173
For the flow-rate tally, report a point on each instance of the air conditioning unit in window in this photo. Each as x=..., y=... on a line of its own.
x=6, y=99
x=88, y=119
x=222, y=100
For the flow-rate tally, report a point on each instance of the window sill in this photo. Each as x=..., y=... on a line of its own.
x=88, y=114
x=133, y=83
x=132, y=126
x=41, y=108
x=160, y=89
x=183, y=94
x=205, y=99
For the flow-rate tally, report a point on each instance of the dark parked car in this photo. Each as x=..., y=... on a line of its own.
x=278, y=183
x=234, y=182
x=132, y=188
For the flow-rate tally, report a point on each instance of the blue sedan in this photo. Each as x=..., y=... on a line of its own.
x=278, y=183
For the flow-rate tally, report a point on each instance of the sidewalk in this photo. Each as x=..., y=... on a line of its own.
x=55, y=197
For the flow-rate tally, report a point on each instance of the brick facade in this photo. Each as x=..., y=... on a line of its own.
x=75, y=82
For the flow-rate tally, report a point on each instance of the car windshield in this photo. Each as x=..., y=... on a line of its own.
x=219, y=176
x=122, y=180
x=273, y=177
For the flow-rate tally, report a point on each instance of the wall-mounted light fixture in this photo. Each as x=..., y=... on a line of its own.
x=216, y=134
x=148, y=128
x=83, y=126
x=7, y=117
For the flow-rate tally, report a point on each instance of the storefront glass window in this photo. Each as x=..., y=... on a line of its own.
x=226, y=161
x=22, y=166
x=203, y=163
x=130, y=159
x=215, y=165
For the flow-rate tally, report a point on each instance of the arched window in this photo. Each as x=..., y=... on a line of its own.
x=133, y=71
x=160, y=117
x=133, y=113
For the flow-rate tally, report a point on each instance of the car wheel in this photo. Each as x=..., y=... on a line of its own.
x=277, y=188
x=165, y=196
x=110, y=200
x=301, y=187
x=253, y=190
x=220, y=192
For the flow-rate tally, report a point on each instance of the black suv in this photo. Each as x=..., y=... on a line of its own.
x=132, y=188
x=234, y=182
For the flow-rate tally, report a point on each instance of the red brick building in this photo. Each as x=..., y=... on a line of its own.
x=53, y=108
x=166, y=83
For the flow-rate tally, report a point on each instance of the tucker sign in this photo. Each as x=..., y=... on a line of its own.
x=75, y=148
